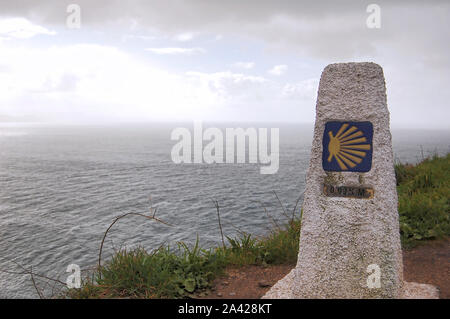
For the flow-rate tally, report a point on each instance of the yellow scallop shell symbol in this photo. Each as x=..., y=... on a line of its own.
x=347, y=147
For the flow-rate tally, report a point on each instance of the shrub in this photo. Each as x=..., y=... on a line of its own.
x=424, y=200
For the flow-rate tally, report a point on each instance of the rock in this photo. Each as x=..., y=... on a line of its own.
x=414, y=290
x=264, y=284
x=349, y=241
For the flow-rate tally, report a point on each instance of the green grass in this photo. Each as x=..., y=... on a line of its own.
x=178, y=273
x=423, y=192
x=424, y=200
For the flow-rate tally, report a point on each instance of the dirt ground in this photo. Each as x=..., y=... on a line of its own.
x=428, y=263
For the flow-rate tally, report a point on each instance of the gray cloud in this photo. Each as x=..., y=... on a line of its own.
x=327, y=29
x=412, y=44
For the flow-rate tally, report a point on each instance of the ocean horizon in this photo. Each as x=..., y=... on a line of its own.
x=62, y=186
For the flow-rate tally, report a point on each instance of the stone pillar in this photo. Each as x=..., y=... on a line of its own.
x=349, y=241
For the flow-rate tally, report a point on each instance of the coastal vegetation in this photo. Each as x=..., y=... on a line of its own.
x=424, y=200
x=184, y=271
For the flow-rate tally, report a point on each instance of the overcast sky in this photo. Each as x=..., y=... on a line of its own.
x=215, y=60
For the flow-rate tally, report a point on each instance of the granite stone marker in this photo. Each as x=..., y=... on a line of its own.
x=350, y=241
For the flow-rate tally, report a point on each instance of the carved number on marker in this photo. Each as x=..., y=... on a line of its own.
x=348, y=191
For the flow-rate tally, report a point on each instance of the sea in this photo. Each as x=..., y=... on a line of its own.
x=62, y=186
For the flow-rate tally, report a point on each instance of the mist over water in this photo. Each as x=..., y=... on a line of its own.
x=61, y=187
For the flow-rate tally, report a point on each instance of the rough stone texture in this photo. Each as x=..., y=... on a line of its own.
x=340, y=237
x=283, y=288
x=414, y=290
x=411, y=290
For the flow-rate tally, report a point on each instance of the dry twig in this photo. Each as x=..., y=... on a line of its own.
x=116, y=220
x=216, y=203
x=282, y=206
